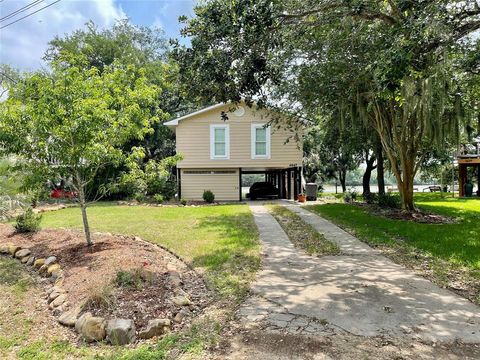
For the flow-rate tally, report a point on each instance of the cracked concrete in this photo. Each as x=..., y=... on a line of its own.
x=358, y=292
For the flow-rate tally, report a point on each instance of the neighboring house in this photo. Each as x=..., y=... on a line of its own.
x=217, y=152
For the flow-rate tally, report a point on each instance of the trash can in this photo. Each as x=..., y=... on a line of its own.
x=311, y=191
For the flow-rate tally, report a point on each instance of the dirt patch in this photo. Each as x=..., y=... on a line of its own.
x=90, y=271
x=397, y=214
x=269, y=346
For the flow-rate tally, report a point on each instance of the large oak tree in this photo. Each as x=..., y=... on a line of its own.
x=391, y=65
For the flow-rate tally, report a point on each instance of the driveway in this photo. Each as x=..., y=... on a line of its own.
x=359, y=292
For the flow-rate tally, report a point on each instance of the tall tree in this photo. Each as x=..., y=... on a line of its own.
x=141, y=47
x=73, y=122
x=386, y=63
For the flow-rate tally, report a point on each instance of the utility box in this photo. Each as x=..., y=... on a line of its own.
x=311, y=190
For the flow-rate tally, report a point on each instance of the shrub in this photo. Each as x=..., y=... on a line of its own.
x=208, y=196
x=28, y=221
x=158, y=198
x=139, y=197
x=183, y=201
x=388, y=200
x=99, y=298
x=371, y=198
x=350, y=195
x=134, y=279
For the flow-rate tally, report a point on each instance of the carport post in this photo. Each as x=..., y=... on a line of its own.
x=239, y=184
x=289, y=184
x=295, y=189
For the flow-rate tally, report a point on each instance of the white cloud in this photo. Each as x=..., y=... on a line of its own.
x=23, y=44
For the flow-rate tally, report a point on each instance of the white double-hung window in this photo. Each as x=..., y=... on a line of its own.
x=219, y=141
x=260, y=141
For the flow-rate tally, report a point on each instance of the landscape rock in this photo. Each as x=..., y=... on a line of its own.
x=155, y=327
x=91, y=328
x=22, y=253
x=39, y=263
x=53, y=296
x=52, y=268
x=24, y=259
x=30, y=260
x=69, y=318
x=59, y=300
x=50, y=260
x=43, y=269
x=120, y=331
x=179, y=317
x=175, y=278
x=181, y=300
x=12, y=249
x=56, y=274
x=4, y=248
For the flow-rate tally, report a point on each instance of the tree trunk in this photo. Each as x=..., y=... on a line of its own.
x=368, y=173
x=380, y=169
x=342, y=175
x=83, y=208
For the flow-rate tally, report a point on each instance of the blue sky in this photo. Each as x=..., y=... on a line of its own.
x=22, y=44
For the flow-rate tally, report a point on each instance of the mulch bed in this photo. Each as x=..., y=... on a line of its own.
x=398, y=214
x=90, y=270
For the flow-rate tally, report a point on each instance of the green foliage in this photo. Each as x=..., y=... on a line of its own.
x=28, y=221
x=208, y=196
x=73, y=121
x=385, y=66
x=153, y=177
x=183, y=201
x=389, y=200
x=158, y=198
x=134, y=279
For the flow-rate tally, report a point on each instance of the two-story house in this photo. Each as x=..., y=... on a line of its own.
x=217, y=152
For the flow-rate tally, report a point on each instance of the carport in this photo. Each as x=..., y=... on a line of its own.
x=287, y=180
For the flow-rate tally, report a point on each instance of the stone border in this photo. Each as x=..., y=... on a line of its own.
x=92, y=328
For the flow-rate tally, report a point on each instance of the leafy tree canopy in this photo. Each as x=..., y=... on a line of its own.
x=75, y=120
x=394, y=65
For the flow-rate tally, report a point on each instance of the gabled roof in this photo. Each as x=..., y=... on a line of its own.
x=175, y=122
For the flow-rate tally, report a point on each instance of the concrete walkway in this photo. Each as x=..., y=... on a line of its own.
x=359, y=292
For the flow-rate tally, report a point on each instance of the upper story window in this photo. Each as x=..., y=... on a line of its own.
x=260, y=141
x=219, y=142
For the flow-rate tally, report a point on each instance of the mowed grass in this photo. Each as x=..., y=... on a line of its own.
x=220, y=240
x=457, y=243
x=20, y=337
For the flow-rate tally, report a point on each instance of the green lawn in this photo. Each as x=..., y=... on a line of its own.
x=222, y=240
x=20, y=324
x=457, y=243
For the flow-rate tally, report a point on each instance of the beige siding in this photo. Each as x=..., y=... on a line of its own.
x=225, y=186
x=193, y=142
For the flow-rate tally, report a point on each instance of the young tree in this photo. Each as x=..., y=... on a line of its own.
x=72, y=122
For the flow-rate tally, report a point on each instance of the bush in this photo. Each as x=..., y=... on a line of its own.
x=134, y=279
x=158, y=198
x=183, y=201
x=99, y=298
x=371, y=198
x=139, y=197
x=350, y=195
x=28, y=222
x=208, y=196
x=388, y=200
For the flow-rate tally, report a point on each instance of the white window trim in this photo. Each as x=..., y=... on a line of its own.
x=253, y=138
x=227, y=142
